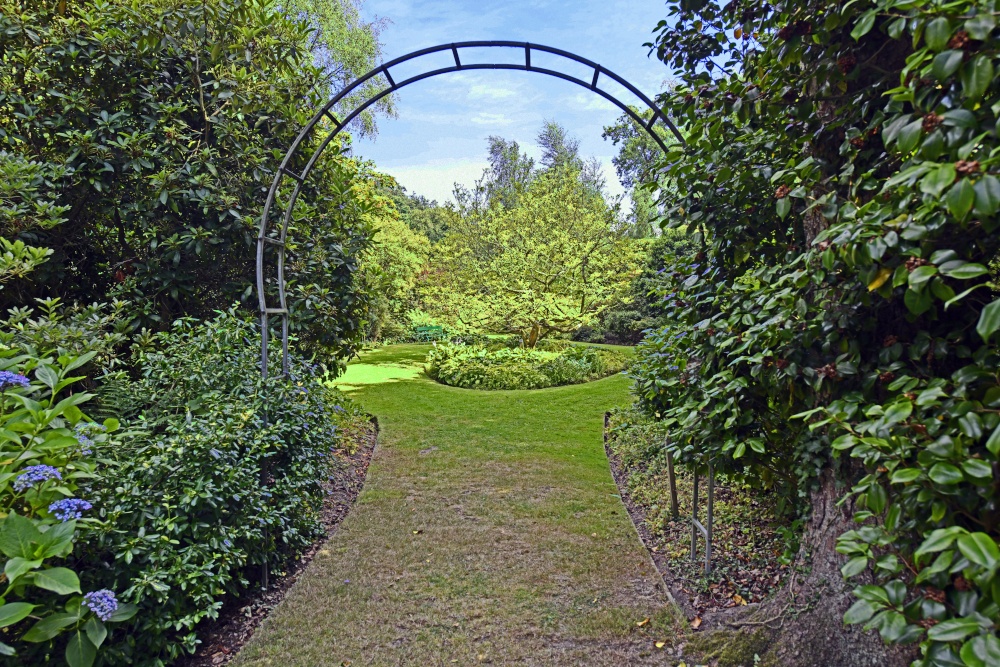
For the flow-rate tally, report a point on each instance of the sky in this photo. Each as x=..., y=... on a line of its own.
x=440, y=135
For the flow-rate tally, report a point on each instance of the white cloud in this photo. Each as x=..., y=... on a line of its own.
x=436, y=179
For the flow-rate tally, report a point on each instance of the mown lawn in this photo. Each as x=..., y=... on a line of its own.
x=489, y=531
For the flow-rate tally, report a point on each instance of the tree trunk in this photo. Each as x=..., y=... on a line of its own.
x=805, y=620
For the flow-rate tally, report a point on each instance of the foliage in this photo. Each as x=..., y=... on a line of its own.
x=140, y=139
x=499, y=367
x=855, y=319
x=548, y=264
x=209, y=493
x=345, y=47
x=54, y=329
x=391, y=269
x=424, y=216
x=642, y=307
x=47, y=449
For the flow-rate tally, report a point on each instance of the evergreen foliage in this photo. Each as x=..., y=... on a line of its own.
x=841, y=167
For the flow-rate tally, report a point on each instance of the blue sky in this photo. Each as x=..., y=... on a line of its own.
x=440, y=135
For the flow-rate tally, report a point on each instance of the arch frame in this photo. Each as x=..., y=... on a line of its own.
x=264, y=238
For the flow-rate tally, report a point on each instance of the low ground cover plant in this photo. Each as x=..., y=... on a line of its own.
x=499, y=366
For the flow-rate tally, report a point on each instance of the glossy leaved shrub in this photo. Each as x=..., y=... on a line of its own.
x=841, y=170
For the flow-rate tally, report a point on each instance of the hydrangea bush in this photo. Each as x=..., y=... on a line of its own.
x=46, y=458
x=222, y=484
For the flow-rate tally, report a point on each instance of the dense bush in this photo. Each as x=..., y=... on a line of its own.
x=220, y=479
x=501, y=367
x=137, y=142
x=854, y=322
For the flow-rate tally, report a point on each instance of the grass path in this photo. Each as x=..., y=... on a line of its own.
x=489, y=532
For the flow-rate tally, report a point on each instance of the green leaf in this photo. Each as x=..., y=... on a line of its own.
x=12, y=612
x=936, y=180
x=977, y=469
x=937, y=33
x=987, y=191
x=853, y=567
x=908, y=137
x=977, y=76
x=989, y=320
x=981, y=651
x=58, y=540
x=946, y=63
x=980, y=549
x=740, y=450
x=939, y=540
x=962, y=270
x=960, y=199
x=980, y=26
x=864, y=25
x=993, y=444
x=945, y=473
x=876, y=498
x=783, y=206
x=96, y=631
x=919, y=276
x=47, y=376
x=79, y=651
x=18, y=536
x=17, y=566
x=898, y=411
x=953, y=629
x=61, y=580
x=904, y=475
x=49, y=627
x=859, y=612
x=123, y=613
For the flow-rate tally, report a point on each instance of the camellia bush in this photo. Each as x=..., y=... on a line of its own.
x=841, y=168
x=492, y=367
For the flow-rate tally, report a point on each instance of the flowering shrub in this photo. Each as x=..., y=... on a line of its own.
x=478, y=367
x=46, y=453
x=211, y=493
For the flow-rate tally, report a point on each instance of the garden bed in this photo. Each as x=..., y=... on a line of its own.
x=503, y=366
x=751, y=551
x=222, y=638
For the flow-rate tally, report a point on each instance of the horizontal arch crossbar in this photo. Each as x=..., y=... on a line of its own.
x=263, y=239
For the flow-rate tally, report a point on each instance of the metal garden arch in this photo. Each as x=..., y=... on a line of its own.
x=267, y=237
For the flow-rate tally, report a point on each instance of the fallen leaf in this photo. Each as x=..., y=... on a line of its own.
x=642, y=623
x=696, y=623
x=660, y=644
x=417, y=532
x=738, y=599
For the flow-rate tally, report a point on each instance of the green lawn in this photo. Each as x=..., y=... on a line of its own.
x=489, y=531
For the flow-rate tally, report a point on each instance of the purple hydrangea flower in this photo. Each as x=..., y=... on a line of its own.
x=102, y=602
x=11, y=379
x=33, y=475
x=69, y=508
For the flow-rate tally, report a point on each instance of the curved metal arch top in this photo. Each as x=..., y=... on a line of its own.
x=265, y=236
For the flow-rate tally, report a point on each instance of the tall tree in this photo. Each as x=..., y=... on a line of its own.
x=548, y=264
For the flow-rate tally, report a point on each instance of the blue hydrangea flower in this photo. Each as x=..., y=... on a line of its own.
x=69, y=508
x=11, y=379
x=102, y=602
x=33, y=475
